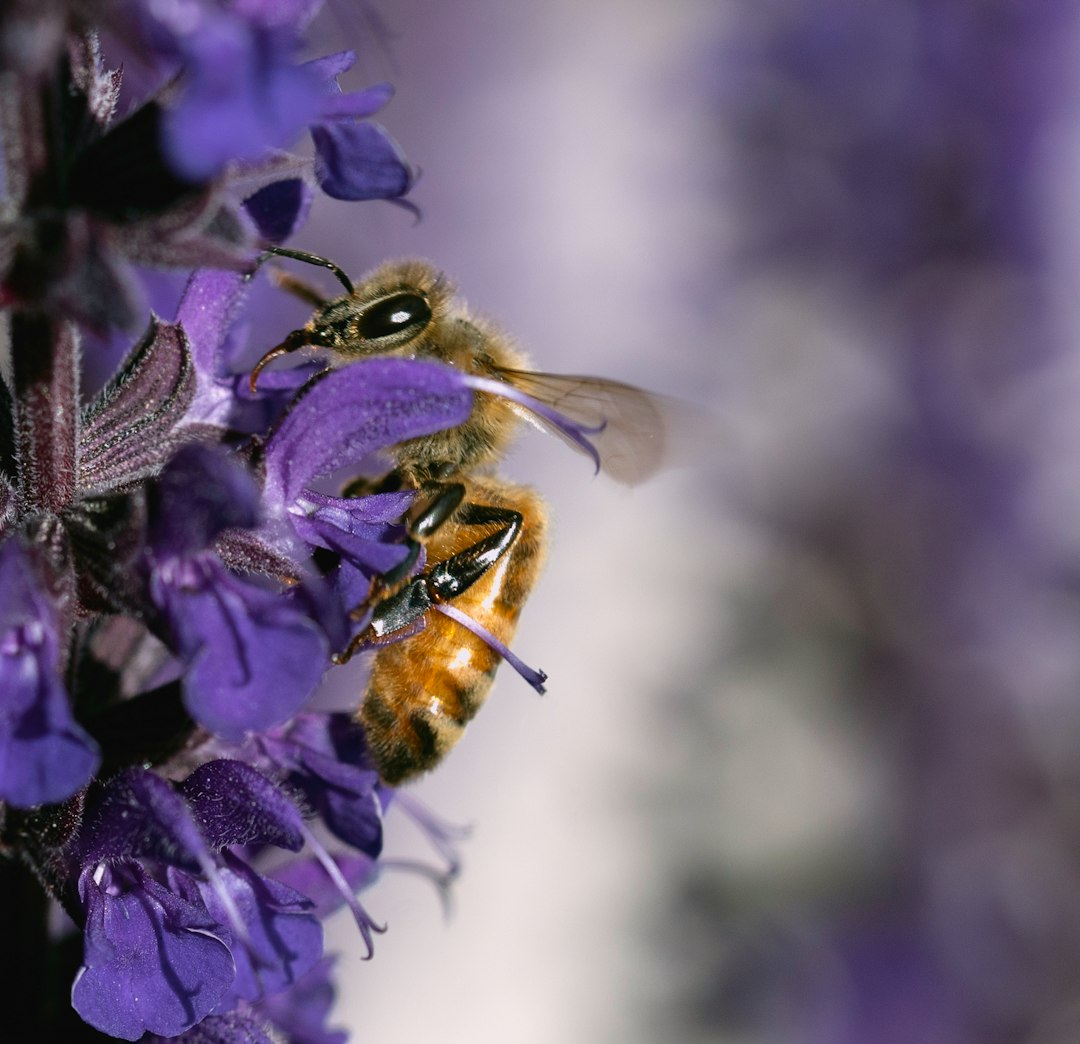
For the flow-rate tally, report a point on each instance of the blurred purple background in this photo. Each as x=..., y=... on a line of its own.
x=807, y=769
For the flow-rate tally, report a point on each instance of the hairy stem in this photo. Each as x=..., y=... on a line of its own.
x=45, y=373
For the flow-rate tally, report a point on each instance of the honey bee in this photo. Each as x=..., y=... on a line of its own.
x=484, y=538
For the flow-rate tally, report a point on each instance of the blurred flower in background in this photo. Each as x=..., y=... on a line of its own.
x=904, y=228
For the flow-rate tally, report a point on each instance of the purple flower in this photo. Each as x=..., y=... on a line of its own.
x=283, y=939
x=45, y=756
x=359, y=161
x=347, y=415
x=326, y=759
x=172, y=932
x=356, y=159
x=152, y=964
x=253, y=657
x=244, y=95
x=174, y=574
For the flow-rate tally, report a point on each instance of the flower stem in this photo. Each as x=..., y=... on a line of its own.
x=45, y=371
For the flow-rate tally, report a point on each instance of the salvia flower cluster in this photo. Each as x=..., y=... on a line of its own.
x=162, y=622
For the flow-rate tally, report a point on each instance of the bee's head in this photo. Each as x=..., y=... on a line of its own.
x=398, y=309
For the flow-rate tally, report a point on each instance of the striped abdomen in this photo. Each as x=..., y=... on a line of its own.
x=424, y=689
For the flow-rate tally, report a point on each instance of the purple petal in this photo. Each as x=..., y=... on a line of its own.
x=23, y=597
x=45, y=756
x=282, y=935
x=351, y=586
x=356, y=105
x=365, y=530
x=352, y=412
x=150, y=964
x=359, y=161
x=280, y=208
x=236, y=804
x=140, y=815
x=243, y=97
x=254, y=659
x=330, y=766
x=233, y=1028
x=203, y=491
x=211, y=302
x=321, y=602
x=301, y=1012
x=331, y=66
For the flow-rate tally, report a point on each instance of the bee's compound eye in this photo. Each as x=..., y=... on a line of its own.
x=401, y=313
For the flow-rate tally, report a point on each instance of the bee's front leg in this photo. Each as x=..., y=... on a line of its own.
x=444, y=581
x=442, y=500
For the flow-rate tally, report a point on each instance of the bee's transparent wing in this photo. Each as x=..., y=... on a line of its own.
x=629, y=427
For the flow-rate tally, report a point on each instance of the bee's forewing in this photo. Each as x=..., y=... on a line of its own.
x=628, y=426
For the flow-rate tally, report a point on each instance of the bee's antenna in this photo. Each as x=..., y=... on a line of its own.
x=309, y=259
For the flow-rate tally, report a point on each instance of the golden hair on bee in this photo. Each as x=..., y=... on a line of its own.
x=424, y=690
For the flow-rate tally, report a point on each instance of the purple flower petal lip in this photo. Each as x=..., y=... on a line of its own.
x=354, y=411
x=203, y=491
x=151, y=961
x=210, y=303
x=284, y=940
x=254, y=659
x=235, y=804
x=207, y=312
x=358, y=161
x=45, y=756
